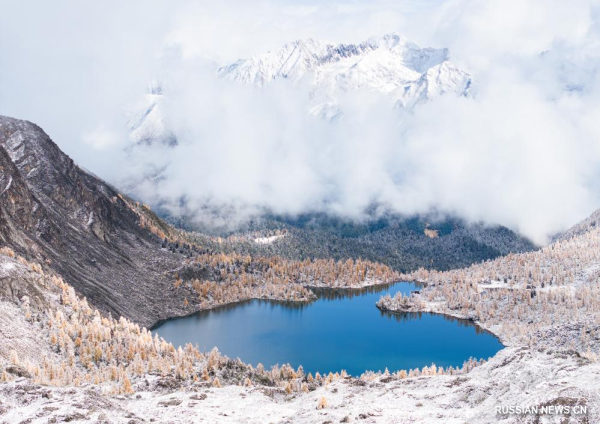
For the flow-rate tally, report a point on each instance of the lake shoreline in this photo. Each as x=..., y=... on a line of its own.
x=436, y=308
x=371, y=284
x=342, y=323
x=456, y=316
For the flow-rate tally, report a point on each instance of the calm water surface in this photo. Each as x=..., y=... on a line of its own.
x=340, y=330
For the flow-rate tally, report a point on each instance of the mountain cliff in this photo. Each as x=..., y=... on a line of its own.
x=58, y=214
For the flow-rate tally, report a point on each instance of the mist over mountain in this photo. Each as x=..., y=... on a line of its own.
x=390, y=64
x=325, y=78
x=355, y=131
x=470, y=121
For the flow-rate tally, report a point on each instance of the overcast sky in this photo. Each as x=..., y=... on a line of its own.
x=524, y=152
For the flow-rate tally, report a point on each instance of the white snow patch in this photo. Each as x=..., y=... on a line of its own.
x=390, y=64
x=7, y=185
x=8, y=266
x=268, y=240
x=497, y=284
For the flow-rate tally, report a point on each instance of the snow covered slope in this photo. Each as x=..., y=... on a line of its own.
x=390, y=64
x=145, y=119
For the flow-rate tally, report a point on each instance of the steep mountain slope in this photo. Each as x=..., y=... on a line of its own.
x=55, y=212
x=20, y=209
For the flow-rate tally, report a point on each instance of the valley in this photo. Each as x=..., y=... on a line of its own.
x=85, y=270
x=300, y=212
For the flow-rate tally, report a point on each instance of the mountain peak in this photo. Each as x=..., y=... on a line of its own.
x=391, y=64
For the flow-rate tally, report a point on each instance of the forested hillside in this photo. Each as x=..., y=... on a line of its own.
x=403, y=243
x=549, y=298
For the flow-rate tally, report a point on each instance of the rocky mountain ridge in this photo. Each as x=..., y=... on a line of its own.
x=390, y=64
x=56, y=213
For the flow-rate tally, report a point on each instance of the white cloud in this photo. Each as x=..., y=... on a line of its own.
x=523, y=153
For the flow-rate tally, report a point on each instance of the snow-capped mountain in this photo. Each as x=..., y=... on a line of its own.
x=391, y=64
x=145, y=120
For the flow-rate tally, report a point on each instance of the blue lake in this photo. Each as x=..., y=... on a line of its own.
x=340, y=330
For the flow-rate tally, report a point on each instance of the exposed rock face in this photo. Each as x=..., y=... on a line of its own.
x=21, y=213
x=54, y=211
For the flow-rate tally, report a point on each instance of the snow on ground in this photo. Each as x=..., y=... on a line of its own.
x=7, y=266
x=496, y=284
x=514, y=377
x=16, y=334
x=268, y=240
x=344, y=285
